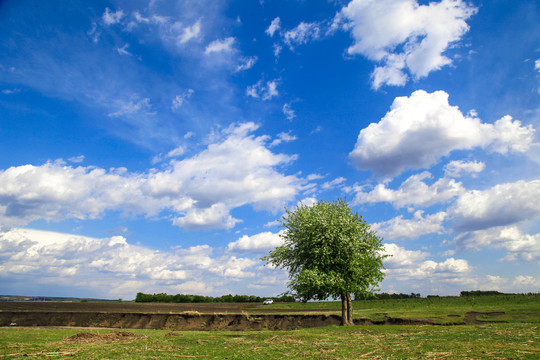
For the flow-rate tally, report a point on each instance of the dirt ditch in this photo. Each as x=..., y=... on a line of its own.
x=185, y=317
x=189, y=321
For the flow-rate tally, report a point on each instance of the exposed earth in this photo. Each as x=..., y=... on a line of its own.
x=175, y=317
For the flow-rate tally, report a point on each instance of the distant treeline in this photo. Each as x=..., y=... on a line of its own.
x=488, y=293
x=182, y=298
x=386, y=296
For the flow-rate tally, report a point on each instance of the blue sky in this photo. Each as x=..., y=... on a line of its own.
x=152, y=145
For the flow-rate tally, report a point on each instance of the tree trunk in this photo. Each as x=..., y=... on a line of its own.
x=349, y=309
x=346, y=309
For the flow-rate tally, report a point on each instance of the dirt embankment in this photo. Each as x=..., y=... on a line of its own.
x=170, y=317
x=191, y=321
x=188, y=321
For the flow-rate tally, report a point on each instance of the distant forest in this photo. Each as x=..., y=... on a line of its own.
x=182, y=298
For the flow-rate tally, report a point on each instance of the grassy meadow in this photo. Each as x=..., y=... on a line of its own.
x=518, y=337
x=441, y=310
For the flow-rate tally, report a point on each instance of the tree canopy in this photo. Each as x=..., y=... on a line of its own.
x=329, y=252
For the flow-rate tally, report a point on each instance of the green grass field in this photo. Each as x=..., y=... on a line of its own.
x=516, y=308
x=517, y=338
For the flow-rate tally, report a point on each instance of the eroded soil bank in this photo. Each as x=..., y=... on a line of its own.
x=190, y=321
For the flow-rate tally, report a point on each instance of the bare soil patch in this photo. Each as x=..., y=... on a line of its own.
x=91, y=338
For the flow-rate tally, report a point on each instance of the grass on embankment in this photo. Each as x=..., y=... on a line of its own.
x=516, y=341
x=516, y=308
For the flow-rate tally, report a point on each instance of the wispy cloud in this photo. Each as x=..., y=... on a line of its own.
x=220, y=45
x=179, y=100
x=112, y=17
x=264, y=91
x=140, y=106
x=288, y=111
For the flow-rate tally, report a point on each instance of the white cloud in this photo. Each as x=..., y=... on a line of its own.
x=176, y=152
x=179, y=100
x=216, y=216
x=111, y=18
x=263, y=91
x=408, y=265
x=277, y=50
x=112, y=267
x=403, y=35
x=411, y=269
x=501, y=205
x=247, y=63
x=400, y=257
x=283, y=137
x=54, y=192
x=332, y=184
x=519, y=246
x=139, y=106
x=399, y=228
x=220, y=45
x=526, y=282
x=236, y=170
x=289, y=113
x=77, y=159
x=302, y=34
x=458, y=168
x=234, y=268
x=189, y=33
x=422, y=128
x=123, y=50
x=391, y=73
x=413, y=191
x=274, y=26
x=261, y=242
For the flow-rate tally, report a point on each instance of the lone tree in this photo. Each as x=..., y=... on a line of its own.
x=329, y=252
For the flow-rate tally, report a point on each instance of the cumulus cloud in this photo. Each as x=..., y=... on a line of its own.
x=216, y=216
x=111, y=266
x=406, y=265
x=413, y=191
x=399, y=228
x=220, y=45
x=234, y=268
x=519, y=246
x=404, y=36
x=500, y=205
x=422, y=128
x=458, y=168
x=261, y=242
x=238, y=169
x=55, y=192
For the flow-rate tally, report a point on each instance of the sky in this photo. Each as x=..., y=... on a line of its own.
x=151, y=146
